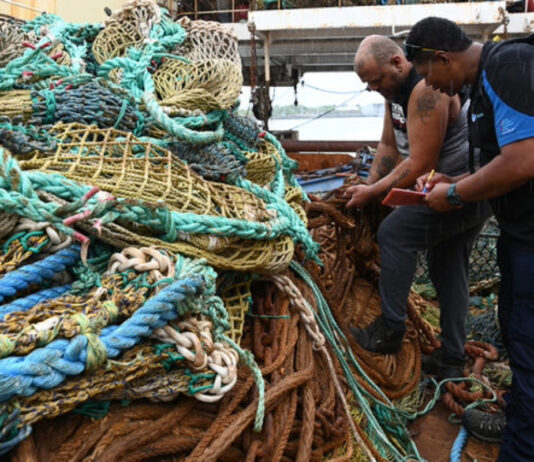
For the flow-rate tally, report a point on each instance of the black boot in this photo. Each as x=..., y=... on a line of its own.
x=485, y=426
x=379, y=337
x=443, y=366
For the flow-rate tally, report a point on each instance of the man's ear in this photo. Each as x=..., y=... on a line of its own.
x=442, y=57
x=396, y=62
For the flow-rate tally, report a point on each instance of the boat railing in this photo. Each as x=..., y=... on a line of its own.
x=233, y=11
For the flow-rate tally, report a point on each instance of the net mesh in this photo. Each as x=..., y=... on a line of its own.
x=205, y=85
x=208, y=40
x=118, y=163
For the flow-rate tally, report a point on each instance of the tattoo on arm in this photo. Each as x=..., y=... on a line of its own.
x=426, y=103
x=386, y=165
x=402, y=174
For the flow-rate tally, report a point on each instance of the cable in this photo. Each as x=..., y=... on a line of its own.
x=354, y=92
x=324, y=113
x=275, y=96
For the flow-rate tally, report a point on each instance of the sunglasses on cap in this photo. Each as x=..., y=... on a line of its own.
x=412, y=50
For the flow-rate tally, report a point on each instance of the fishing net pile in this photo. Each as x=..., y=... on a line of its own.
x=161, y=295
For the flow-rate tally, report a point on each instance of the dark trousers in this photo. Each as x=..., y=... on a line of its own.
x=516, y=317
x=448, y=237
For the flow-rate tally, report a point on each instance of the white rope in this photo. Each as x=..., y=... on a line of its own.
x=57, y=239
x=193, y=340
x=297, y=300
x=142, y=259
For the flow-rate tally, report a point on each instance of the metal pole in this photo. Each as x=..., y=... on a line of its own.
x=21, y=5
x=267, y=57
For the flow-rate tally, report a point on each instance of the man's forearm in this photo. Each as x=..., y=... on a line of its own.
x=403, y=175
x=495, y=179
x=386, y=158
x=399, y=177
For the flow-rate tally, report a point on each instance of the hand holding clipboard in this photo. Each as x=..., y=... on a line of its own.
x=397, y=196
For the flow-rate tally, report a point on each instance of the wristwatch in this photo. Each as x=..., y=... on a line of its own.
x=453, y=197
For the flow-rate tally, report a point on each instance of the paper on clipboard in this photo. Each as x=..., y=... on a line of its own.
x=397, y=196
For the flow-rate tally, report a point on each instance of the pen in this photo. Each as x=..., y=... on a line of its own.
x=425, y=189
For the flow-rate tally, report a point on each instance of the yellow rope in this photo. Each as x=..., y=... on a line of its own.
x=118, y=376
x=126, y=167
x=16, y=253
x=208, y=40
x=237, y=299
x=16, y=103
x=205, y=85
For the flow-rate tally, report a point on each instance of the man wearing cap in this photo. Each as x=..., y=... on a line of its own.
x=501, y=131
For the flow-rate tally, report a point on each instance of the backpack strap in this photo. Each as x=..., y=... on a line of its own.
x=529, y=39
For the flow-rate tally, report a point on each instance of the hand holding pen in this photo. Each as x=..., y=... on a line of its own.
x=427, y=184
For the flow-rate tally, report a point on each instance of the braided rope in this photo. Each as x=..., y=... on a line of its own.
x=242, y=130
x=296, y=299
x=38, y=272
x=27, y=303
x=216, y=161
x=49, y=366
x=11, y=39
x=147, y=88
x=287, y=222
x=47, y=321
x=383, y=408
x=56, y=240
x=7, y=224
x=458, y=445
x=96, y=102
x=191, y=338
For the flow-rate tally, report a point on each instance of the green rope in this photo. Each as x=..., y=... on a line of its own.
x=333, y=333
x=269, y=316
x=164, y=221
x=94, y=409
x=195, y=378
x=248, y=358
x=50, y=106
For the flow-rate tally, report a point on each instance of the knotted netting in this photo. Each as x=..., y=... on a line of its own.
x=207, y=41
x=12, y=38
x=148, y=238
x=115, y=40
x=118, y=163
x=205, y=85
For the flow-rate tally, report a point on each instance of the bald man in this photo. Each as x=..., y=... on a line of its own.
x=423, y=130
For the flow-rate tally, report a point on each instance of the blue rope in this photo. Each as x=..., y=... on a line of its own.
x=38, y=272
x=27, y=303
x=166, y=306
x=47, y=367
x=458, y=445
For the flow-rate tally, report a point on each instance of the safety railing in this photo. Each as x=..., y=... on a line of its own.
x=237, y=10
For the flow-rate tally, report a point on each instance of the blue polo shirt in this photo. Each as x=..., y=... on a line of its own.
x=501, y=113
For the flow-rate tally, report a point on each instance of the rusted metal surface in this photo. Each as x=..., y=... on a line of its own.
x=326, y=146
x=320, y=172
x=313, y=162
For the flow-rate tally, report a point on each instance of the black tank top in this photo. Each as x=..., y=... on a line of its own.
x=454, y=154
x=399, y=110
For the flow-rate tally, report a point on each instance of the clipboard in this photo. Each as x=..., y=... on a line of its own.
x=397, y=196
